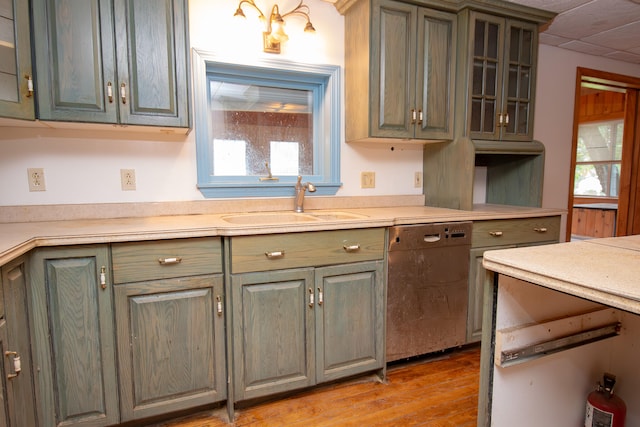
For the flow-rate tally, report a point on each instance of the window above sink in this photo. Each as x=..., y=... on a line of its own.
x=259, y=126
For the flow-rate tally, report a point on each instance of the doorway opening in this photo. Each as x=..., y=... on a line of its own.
x=605, y=164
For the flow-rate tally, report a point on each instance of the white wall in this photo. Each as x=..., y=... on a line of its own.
x=82, y=166
x=553, y=126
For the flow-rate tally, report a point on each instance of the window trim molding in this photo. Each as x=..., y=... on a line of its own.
x=326, y=176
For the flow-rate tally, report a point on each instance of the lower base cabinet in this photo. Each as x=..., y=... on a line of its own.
x=73, y=337
x=306, y=308
x=170, y=345
x=163, y=307
x=300, y=327
x=501, y=234
x=17, y=406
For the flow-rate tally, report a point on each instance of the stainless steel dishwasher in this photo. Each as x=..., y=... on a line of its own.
x=427, y=288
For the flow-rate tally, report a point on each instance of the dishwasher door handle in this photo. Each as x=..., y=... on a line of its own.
x=431, y=238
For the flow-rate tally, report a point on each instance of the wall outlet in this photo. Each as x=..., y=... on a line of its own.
x=367, y=179
x=128, y=179
x=36, y=179
x=417, y=180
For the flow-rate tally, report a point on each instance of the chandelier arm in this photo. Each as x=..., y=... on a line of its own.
x=254, y=5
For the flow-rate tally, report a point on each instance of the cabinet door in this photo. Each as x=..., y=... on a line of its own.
x=436, y=66
x=170, y=345
x=486, y=50
x=73, y=337
x=273, y=332
x=393, y=56
x=75, y=60
x=476, y=293
x=15, y=60
x=152, y=62
x=17, y=388
x=349, y=319
x=519, y=78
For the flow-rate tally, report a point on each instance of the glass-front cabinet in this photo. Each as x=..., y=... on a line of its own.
x=16, y=81
x=501, y=78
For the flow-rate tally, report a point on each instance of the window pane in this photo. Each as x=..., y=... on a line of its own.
x=229, y=157
x=260, y=115
x=600, y=141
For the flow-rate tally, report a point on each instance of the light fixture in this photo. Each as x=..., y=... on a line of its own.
x=275, y=35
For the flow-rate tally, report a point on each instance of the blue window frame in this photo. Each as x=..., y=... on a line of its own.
x=319, y=84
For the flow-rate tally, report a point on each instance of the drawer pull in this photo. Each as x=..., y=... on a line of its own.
x=169, y=261
x=540, y=229
x=496, y=233
x=351, y=248
x=274, y=254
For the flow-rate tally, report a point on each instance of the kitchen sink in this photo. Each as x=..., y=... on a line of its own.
x=267, y=218
x=336, y=216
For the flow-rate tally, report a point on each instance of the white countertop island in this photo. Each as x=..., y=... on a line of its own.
x=563, y=284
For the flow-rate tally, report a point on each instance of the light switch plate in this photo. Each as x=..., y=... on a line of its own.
x=367, y=179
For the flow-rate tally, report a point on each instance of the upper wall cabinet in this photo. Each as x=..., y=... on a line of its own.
x=16, y=83
x=500, y=71
x=120, y=61
x=399, y=72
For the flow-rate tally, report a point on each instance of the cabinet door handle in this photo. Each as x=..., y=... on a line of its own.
x=110, y=92
x=419, y=117
x=123, y=93
x=103, y=277
x=169, y=261
x=29, y=85
x=506, y=119
x=274, y=254
x=311, y=301
x=413, y=116
x=540, y=229
x=17, y=365
x=219, y=305
x=495, y=233
x=351, y=248
x=320, y=296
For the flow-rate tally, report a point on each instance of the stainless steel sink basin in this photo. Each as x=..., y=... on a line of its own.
x=266, y=218
x=269, y=218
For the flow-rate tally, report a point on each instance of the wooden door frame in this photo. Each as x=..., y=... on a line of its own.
x=628, y=217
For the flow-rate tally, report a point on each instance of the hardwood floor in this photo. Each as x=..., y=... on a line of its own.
x=436, y=391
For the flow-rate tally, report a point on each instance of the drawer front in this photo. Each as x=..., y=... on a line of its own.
x=515, y=231
x=280, y=251
x=163, y=259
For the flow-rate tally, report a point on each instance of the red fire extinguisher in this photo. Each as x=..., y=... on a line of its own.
x=604, y=409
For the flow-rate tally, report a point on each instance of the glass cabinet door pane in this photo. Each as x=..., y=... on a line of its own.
x=9, y=86
x=486, y=76
x=518, y=87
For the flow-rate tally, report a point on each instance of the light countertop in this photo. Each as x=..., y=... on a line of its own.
x=605, y=270
x=17, y=238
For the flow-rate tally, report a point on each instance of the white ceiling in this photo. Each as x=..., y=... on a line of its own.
x=607, y=28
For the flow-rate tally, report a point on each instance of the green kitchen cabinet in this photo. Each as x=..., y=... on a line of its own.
x=73, y=336
x=315, y=315
x=399, y=72
x=498, y=68
x=169, y=325
x=17, y=404
x=501, y=69
x=16, y=77
x=501, y=234
x=118, y=62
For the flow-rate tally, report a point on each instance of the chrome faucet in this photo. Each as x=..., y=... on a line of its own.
x=300, y=189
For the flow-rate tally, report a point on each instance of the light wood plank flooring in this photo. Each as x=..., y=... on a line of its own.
x=436, y=391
